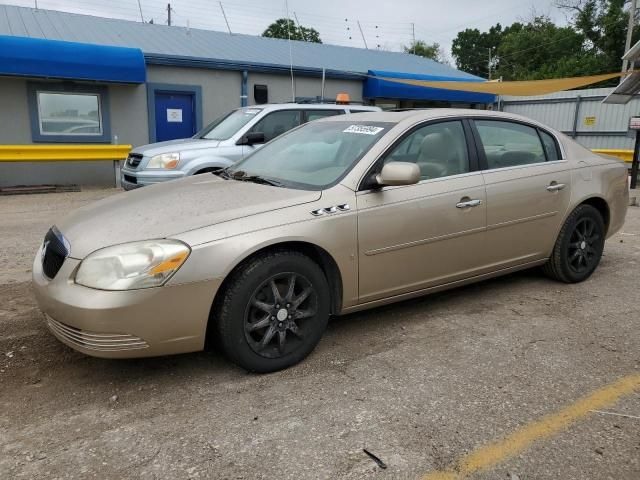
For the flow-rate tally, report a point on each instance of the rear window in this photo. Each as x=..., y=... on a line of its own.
x=509, y=144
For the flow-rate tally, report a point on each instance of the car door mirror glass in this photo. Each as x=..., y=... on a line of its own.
x=398, y=173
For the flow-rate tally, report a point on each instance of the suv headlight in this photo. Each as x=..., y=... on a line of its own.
x=132, y=265
x=167, y=161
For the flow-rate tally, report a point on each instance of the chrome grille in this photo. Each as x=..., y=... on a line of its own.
x=103, y=342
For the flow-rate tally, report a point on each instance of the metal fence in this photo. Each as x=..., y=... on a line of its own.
x=581, y=115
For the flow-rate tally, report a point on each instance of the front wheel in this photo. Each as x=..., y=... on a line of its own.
x=579, y=246
x=273, y=311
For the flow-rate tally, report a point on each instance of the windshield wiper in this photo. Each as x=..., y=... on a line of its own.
x=243, y=177
x=223, y=173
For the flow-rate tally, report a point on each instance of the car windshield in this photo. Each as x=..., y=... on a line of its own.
x=226, y=126
x=314, y=156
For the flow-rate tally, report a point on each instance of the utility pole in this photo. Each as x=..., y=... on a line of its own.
x=413, y=36
x=627, y=44
x=489, y=65
x=225, y=18
x=139, y=8
x=304, y=37
x=169, y=14
x=363, y=39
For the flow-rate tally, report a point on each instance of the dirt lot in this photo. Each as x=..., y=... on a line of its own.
x=421, y=384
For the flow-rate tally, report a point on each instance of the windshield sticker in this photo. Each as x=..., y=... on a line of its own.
x=363, y=129
x=252, y=112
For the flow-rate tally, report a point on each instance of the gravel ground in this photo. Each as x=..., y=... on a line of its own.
x=420, y=383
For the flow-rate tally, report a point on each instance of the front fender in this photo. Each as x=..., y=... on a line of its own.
x=207, y=161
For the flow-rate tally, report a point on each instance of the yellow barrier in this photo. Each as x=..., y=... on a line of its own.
x=626, y=155
x=62, y=153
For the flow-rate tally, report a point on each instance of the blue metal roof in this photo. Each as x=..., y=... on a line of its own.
x=35, y=57
x=379, y=88
x=206, y=48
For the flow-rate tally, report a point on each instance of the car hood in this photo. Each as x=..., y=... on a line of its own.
x=170, y=208
x=171, y=146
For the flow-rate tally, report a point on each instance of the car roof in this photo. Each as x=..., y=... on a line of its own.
x=431, y=113
x=312, y=106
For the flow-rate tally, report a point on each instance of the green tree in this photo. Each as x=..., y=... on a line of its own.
x=604, y=26
x=426, y=50
x=540, y=49
x=287, y=28
x=470, y=48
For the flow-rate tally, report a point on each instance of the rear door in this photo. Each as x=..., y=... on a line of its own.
x=528, y=190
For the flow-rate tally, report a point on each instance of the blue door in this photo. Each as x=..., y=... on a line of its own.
x=175, y=117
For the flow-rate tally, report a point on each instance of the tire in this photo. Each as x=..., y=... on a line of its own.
x=265, y=330
x=579, y=246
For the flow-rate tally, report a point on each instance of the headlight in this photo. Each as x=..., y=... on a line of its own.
x=132, y=265
x=168, y=161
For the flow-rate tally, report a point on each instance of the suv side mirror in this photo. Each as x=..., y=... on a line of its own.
x=251, y=138
x=398, y=173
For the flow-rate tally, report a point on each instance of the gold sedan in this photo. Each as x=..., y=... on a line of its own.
x=338, y=215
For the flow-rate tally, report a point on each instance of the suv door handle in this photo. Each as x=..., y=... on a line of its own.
x=554, y=187
x=468, y=203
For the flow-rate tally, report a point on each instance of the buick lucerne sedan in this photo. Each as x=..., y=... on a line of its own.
x=338, y=215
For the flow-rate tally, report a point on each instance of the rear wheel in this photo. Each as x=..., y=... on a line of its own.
x=273, y=312
x=579, y=246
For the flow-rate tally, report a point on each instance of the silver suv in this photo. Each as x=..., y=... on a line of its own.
x=223, y=142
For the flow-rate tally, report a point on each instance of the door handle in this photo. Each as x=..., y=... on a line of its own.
x=554, y=187
x=468, y=203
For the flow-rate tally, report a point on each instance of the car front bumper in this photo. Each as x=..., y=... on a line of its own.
x=124, y=324
x=131, y=179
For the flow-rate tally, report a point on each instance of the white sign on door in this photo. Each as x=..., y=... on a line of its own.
x=174, y=115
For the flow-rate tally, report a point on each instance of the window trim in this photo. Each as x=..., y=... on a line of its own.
x=68, y=88
x=482, y=158
x=472, y=152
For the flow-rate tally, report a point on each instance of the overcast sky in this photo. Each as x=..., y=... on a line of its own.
x=386, y=24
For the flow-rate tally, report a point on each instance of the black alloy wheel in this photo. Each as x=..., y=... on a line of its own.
x=272, y=311
x=579, y=246
x=278, y=314
x=583, y=249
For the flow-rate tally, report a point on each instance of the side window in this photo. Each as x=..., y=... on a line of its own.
x=550, y=146
x=277, y=123
x=509, y=144
x=439, y=150
x=316, y=114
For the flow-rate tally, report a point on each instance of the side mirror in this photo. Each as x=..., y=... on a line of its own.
x=252, y=138
x=398, y=173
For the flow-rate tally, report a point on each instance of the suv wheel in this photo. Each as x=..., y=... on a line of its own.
x=579, y=246
x=273, y=312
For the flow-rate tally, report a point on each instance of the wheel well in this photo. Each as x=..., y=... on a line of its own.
x=319, y=255
x=602, y=207
x=206, y=170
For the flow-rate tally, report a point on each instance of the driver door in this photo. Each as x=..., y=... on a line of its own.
x=414, y=237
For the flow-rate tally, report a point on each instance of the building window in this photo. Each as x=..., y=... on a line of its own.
x=68, y=113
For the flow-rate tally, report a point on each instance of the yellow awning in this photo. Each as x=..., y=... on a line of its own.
x=521, y=88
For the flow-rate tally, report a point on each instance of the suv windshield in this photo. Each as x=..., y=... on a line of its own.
x=314, y=156
x=226, y=126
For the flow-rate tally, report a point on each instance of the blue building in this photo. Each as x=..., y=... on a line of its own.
x=77, y=79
